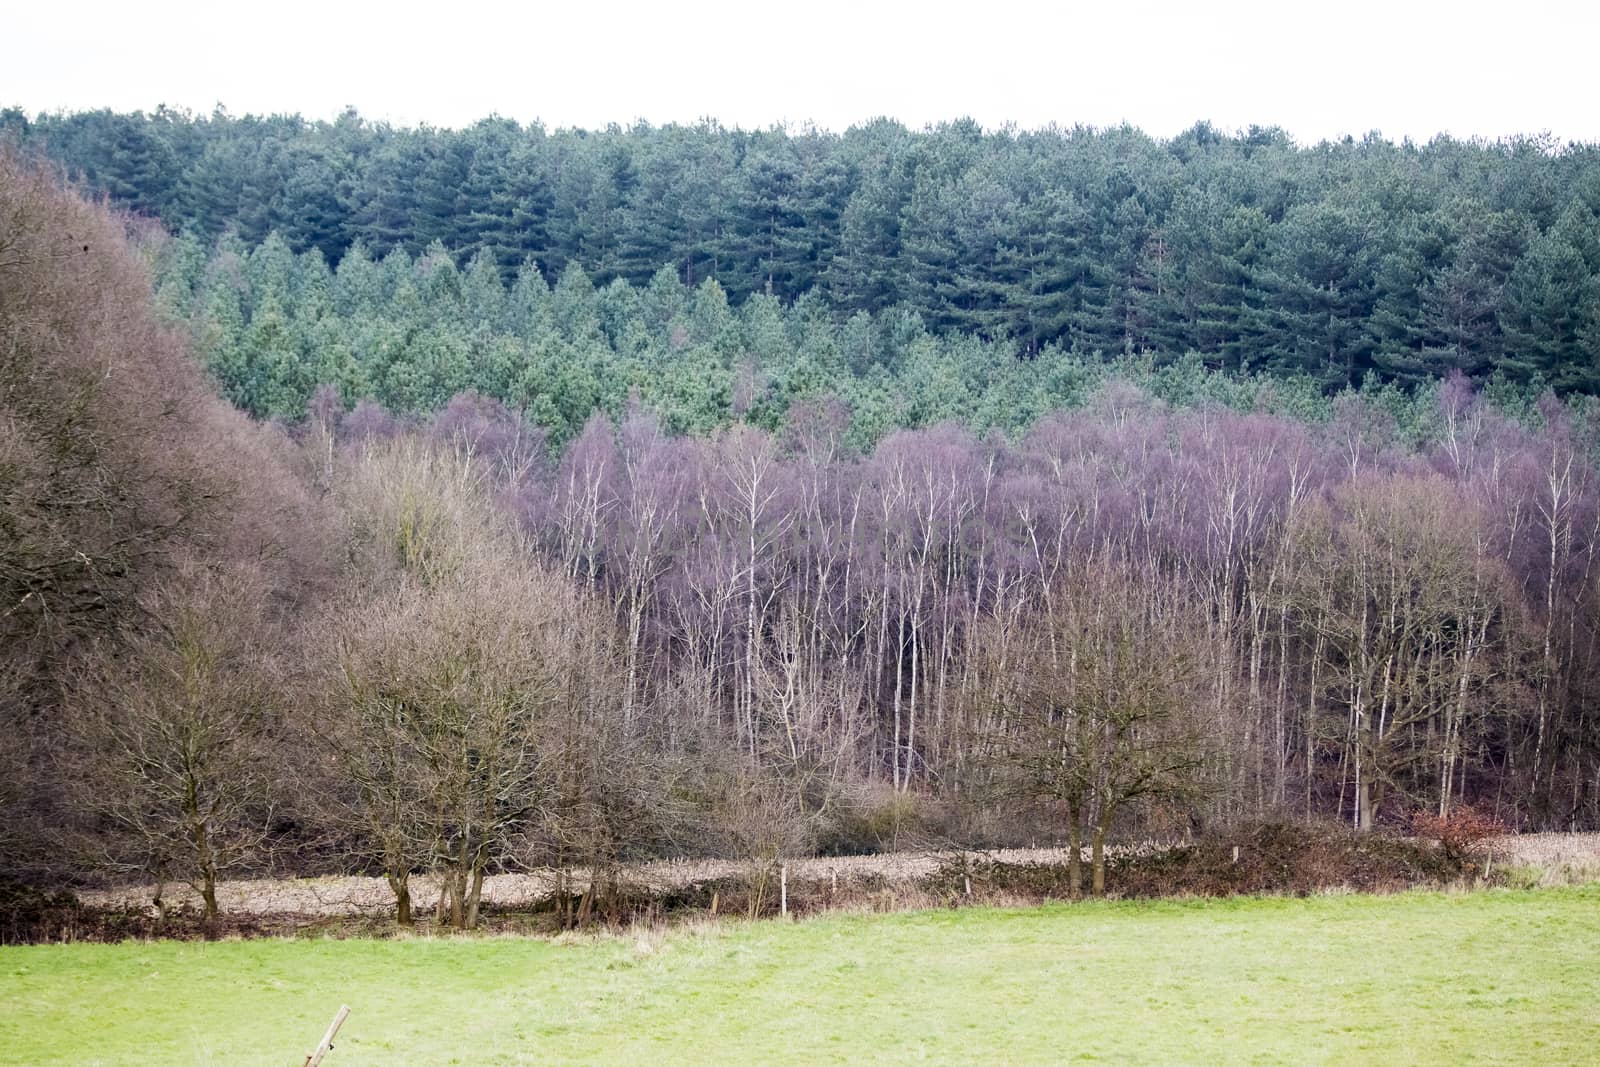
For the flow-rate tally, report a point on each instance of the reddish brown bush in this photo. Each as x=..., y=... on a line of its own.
x=1459, y=831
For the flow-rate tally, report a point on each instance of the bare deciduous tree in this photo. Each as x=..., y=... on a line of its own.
x=174, y=727
x=1101, y=706
x=458, y=663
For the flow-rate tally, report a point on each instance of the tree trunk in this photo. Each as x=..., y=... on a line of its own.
x=208, y=871
x=208, y=894
x=474, y=896
x=205, y=860
x=1074, y=850
x=899, y=678
x=458, y=915
x=400, y=883
x=1097, y=857
x=585, y=903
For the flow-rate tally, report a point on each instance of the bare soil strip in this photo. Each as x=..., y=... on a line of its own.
x=360, y=895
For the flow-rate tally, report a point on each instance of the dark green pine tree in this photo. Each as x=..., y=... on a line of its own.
x=770, y=249
x=824, y=192
x=506, y=198
x=1046, y=256
x=437, y=211
x=652, y=233
x=990, y=279
x=268, y=169
x=931, y=256
x=703, y=201
x=1415, y=256
x=594, y=180
x=1460, y=303
x=1222, y=249
x=209, y=189
x=381, y=199
x=309, y=211
x=865, y=272
x=139, y=168
x=1543, y=317
x=1315, y=294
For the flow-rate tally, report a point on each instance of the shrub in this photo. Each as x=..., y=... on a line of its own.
x=1259, y=858
x=1459, y=831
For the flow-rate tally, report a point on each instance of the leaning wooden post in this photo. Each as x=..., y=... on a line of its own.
x=315, y=1058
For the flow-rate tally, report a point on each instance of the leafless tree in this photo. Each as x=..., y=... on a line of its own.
x=1404, y=600
x=121, y=473
x=174, y=727
x=1100, y=709
x=458, y=662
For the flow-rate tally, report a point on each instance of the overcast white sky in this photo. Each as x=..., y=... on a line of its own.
x=1324, y=69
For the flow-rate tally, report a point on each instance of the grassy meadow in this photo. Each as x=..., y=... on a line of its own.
x=1505, y=976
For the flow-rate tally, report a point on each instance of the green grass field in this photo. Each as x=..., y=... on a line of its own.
x=1492, y=977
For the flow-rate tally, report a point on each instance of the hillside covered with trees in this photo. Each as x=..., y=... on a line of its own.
x=411, y=334
x=366, y=547
x=1332, y=262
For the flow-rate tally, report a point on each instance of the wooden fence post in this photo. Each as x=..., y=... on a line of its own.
x=783, y=890
x=313, y=1059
